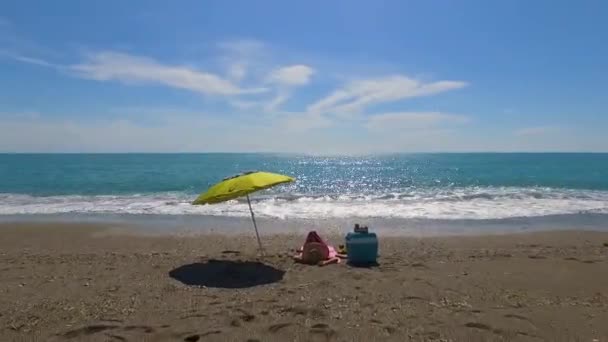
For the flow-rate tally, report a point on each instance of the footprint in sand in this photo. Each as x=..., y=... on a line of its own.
x=197, y=337
x=521, y=318
x=116, y=337
x=324, y=330
x=247, y=317
x=110, y=331
x=88, y=330
x=389, y=330
x=193, y=316
x=303, y=311
x=478, y=326
x=276, y=327
x=142, y=328
x=485, y=327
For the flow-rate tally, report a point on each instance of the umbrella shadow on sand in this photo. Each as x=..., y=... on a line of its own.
x=227, y=274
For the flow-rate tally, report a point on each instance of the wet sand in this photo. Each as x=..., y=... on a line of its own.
x=78, y=282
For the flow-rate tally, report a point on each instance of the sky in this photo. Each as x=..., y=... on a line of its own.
x=320, y=77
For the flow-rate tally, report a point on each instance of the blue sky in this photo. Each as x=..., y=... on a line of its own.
x=313, y=77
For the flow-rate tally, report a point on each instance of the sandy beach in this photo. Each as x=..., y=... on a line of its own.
x=81, y=282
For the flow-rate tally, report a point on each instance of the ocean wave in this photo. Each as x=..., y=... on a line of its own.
x=459, y=203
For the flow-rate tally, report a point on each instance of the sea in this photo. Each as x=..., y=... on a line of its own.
x=417, y=194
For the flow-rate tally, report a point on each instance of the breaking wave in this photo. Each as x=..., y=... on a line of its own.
x=448, y=204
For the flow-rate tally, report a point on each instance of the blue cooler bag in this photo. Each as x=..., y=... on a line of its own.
x=362, y=248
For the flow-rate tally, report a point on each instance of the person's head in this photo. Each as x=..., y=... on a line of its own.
x=314, y=252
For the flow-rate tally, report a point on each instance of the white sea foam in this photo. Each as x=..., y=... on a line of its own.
x=463, y=203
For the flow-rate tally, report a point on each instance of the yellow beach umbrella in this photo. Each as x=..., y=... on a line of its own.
x=242, y=185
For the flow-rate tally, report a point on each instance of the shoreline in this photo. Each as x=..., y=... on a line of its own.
x=91, y=282
x=197, y=224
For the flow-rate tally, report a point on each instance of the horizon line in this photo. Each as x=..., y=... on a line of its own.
x=320, y=154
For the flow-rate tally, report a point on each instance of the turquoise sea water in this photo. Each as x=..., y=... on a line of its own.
x=413, y=186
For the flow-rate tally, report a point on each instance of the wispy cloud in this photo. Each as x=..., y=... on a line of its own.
x=293, y=75
x=250, y=80
x=21, y=49
x=278, y=100
x=29, y=60
x=401, y=121
x=357, y=95
x=536, y=131
x=285, y=79
x=129, y=69
x=240, y=56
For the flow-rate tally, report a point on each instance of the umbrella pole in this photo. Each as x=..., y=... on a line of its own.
x=255, y=225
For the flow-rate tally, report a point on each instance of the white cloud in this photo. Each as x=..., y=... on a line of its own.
x=357, y=95
x=412, y=120
x=285, y=79
x=536, y=131
x=240, y=56
x=268, y=106
x=26, y=59
x=278, y=100
x=105, y=66
x=293, y=75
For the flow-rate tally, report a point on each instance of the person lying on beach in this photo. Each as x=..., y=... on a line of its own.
x=316, y=252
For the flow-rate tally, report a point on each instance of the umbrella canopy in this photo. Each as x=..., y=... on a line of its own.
x=242, y=185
